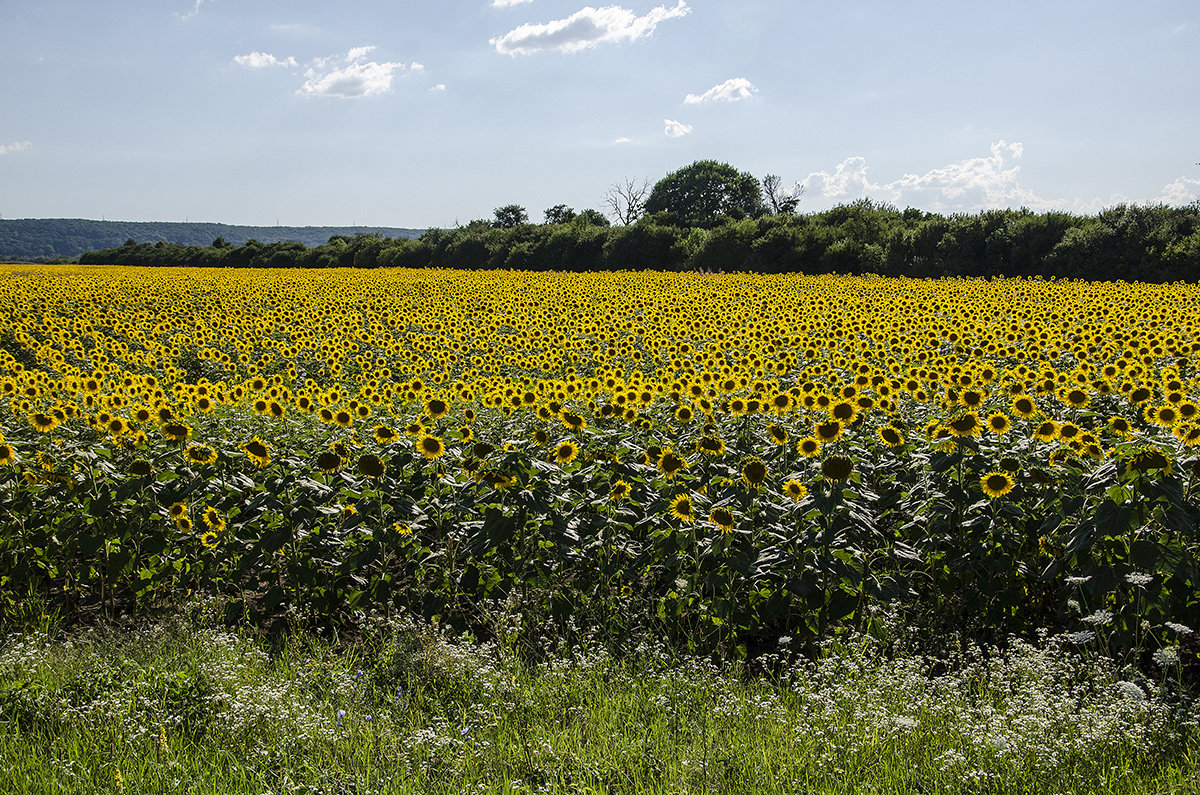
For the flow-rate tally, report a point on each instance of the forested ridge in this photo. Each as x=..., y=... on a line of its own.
x=42, y=239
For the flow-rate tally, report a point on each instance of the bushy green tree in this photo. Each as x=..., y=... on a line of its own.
x=705, y=193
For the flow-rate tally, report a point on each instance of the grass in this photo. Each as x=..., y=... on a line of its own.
x=185, y=705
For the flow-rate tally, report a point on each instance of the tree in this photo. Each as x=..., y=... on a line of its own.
x=780, y=202
x=705, y=192
x=559, y=214
x=590, y=217
x=626, y=201
x=509, y=216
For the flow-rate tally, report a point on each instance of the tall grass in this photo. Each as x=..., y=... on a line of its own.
x=183, y=705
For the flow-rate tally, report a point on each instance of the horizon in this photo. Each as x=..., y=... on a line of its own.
x=418, y=116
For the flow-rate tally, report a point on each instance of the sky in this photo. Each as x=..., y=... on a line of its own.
x=431, y=114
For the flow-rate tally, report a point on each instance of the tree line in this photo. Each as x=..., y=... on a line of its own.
x=711, y=218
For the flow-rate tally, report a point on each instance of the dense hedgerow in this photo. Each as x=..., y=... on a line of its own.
x=724, y=460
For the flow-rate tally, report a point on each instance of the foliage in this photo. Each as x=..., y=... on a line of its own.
x=1149, y=244
x=405, y=707
x=510, y=216
x=705, y=193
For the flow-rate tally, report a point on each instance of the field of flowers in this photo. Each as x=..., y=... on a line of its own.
x=728, y=459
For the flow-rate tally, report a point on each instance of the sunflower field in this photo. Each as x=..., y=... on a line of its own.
x=726, y=459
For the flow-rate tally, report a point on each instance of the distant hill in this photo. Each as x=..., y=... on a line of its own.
x=39, y=239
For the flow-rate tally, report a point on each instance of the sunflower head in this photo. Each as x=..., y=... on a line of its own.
x=681, y=508
x=430, y=446
x=996, y=484
x=754, y=471
x=671, y=464
x=566, y=452
x=722, y=518
x=837, y=467
x=809, y=447
x=795, y=490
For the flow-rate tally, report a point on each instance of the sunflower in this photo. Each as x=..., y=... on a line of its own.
x=1075, y=397
x=7, y=454
x=781, y=402
x=722, y=518
x=809, y=447
x=998, y=423
x=1023, y=406
x=754, y=471
x=371, y=465
x=794, y=489
x=1046, y=431
x=436, y=408
x=140, y=468
x=891, y=436
x=329, y=462
x=43, y=421
x=829, y=431
x=275, y=409
x=326, y=415
x=684, y=414
x=1148, y=460
x=565, y=452
x=342, y=418
x=1068, y=432
x=681, y=508
x=385, y=435
x=200, y=454
x=208, y=539
x=540, y=437
x=1166, y=415
x=710, y=445
x=837, y=467
x=996, y=484
x=619, y=491
x=177, y=510
x=671, y=464
x=430, y=446
x=212, y=519
x=261, y=406
x=176, y=432
x=1188, y=433
x=778, y=434
x=258, y=451
x=573, y=421
x=966, y=424
x=843, y=411
x=184, y=523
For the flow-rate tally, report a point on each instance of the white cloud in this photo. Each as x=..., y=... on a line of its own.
x=508, y=3
x=437, y=88
x=731, y=90
x=351, y=76
x=261, y=60
x=623, y=140
x=1184, y=190
x=676, y=129
x=974, y=184
x=416, y=67
x=195, y=10
x=19, y=146
x=586, y=28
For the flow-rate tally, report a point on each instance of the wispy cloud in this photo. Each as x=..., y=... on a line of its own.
x=439, y=87
x=350, y=76
x=676, y=129
x=508, y=3
x=195, y=10
x=586, y=28
x=261, y=60
x=732, y=90
x=13, y=148
x=623, y=140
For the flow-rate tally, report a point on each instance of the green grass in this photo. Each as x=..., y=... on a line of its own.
x=184, y=705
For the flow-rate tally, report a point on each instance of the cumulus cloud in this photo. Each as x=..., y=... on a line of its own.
x=1184, y=190
x=586, y=28
x=676, y=129
x=973, y=184
x=732, y=90
x=13, y=148
x=350, y=76
x=261, y=60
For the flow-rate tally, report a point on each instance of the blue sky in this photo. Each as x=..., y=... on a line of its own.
x=397, y=113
